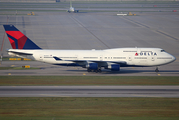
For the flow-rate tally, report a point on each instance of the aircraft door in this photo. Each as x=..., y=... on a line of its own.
x=41, y=57
x=76, y=57
x=130, y=58
x=152, y=58
x=101, y=58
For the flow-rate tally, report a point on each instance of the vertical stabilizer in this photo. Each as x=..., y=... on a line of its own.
x=17, y=39
x=70, y=4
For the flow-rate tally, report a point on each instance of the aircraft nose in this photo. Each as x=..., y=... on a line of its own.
x=173, y=58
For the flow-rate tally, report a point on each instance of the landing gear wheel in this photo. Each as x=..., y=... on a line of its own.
x=89, y=70
x=96, y=71
x=99, y=70
x=156, y=70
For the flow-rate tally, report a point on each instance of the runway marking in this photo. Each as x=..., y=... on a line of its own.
x=135, y=22
x=9, y=73
x=79, y=23
x=158, y=31
x=165, y=34
x=84, y=74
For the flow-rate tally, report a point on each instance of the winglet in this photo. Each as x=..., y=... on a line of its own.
x=17, y=39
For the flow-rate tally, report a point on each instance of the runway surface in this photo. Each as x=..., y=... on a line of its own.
x=89, y=91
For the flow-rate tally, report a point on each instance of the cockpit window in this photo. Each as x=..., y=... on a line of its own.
x=162, y=50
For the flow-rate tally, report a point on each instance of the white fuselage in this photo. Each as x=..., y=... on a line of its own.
x=123, y=56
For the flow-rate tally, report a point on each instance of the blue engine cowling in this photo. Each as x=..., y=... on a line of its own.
x=114, y=67
x=93, y=66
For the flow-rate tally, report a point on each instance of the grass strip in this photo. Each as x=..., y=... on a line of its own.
x=89, y=108
x=88, y=80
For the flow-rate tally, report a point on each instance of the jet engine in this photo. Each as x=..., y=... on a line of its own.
x=113, y=67
x=92, y=66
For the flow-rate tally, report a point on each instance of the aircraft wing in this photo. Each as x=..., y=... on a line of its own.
x=100, y=63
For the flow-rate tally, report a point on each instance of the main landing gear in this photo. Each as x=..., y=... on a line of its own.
x=90, y=70
x=156, y=70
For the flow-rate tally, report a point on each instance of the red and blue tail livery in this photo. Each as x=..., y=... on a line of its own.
x=18, y=40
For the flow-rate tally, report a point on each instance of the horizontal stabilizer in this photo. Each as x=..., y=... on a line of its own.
x=20, y=53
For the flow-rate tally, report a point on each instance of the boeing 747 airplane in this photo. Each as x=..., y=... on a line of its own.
x=93, y=60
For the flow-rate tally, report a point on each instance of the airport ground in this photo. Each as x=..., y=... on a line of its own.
x=97, y=27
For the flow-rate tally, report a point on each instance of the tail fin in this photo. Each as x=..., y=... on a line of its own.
x=70, y=3
x=17, y=39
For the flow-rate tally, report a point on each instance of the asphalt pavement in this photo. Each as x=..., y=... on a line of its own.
x=89, y=91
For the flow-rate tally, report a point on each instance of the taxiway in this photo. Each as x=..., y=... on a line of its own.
x=89, y=91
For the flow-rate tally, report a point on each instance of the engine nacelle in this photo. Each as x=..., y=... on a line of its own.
x=114, y=67
x=92, y=66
